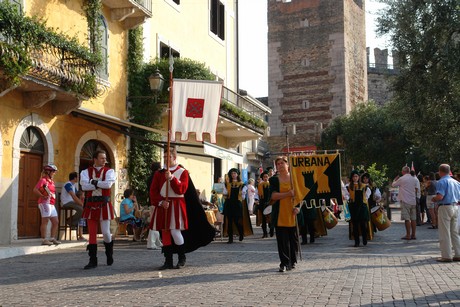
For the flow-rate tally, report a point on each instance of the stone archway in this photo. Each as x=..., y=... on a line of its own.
x=30, y=120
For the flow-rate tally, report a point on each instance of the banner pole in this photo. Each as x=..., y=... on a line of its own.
x=293, y=198
x=168, y=143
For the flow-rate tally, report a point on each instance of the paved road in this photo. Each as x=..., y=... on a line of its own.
x=387, y=272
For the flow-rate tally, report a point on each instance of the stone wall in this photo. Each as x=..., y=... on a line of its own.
x=316, y=65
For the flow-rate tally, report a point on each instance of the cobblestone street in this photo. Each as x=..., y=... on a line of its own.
x=387, y=272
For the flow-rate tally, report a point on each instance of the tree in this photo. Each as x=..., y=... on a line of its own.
x=368, y=135
x=426, y=35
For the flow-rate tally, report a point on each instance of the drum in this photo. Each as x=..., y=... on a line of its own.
x=268, y=212
x=330, y=220
x=379, y=218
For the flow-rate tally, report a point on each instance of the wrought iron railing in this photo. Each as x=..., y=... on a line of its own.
x=146, y=4
x=251, y=106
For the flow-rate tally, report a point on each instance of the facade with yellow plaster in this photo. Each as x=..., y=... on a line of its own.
x=42, y=122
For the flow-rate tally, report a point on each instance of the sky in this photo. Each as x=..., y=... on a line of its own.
x=253, y=43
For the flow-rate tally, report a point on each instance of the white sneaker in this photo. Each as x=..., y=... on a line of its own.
x=46, y=242
x=55, y=242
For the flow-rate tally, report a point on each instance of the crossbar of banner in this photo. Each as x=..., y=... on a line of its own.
x=306, y=152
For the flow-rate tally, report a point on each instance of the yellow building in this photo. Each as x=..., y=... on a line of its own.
x=206, y=31
x=51, y=115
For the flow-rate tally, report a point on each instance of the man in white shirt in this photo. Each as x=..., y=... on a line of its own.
x=69, y=198
x=407, y=199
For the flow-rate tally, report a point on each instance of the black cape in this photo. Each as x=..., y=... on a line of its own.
x=199, y=233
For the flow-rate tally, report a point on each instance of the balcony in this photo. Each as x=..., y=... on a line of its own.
x=242, y=117
x=46, y=67
x=130, y=13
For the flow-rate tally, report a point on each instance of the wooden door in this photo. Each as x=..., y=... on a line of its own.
x=29, y=219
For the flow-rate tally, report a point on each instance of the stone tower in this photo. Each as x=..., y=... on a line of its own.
x=317, y=66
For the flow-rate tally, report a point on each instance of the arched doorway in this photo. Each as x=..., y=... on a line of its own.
x=87, y=151
x=32, y=150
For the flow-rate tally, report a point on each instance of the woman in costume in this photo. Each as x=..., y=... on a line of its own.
x=264, y=198
x=234, y=211
x=375, y=195
x=284, y=214
x=358, y=194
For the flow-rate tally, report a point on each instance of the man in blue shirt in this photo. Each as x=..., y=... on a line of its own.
x=447, y=198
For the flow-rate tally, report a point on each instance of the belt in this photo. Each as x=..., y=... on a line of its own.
x=447, y=204
x=96, y=199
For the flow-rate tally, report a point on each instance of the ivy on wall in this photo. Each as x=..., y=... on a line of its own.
x=21, y=34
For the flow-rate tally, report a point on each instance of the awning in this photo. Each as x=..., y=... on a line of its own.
x=115, y=120
x=108, y=121
x=222, y=153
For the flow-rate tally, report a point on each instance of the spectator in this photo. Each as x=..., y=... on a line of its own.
x=448, y=196
x=204, y=203
x=417, y=199
x=69, y=199
x=82, y=221
x=251, y=191
x=46, y=191
x=407, y=198
x=128, y=210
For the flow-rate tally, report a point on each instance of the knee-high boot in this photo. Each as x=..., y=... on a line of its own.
x=167, y=251
x=109, y=252
x=240, y=230
x=92, y=252
x=182, y=258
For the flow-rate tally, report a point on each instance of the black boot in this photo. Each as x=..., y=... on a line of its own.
x=167, y=251
x=92, y=252
x=182, y=258
x=109, y=252
x=304, y=239
x=240, y=231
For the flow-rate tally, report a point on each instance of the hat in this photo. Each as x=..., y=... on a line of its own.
x=354, y=172
x=50, y=168
x=237, y=171
x=366, y=175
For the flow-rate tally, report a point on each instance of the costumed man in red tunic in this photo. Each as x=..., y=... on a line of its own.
x=178, y=213
x=97, y=182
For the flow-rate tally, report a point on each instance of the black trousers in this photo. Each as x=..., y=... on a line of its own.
x=286, y=238
x=359, y=225
x=237, y=220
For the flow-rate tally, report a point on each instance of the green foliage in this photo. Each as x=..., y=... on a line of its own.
x=22, y=34
x=379, y=177
x=368, y=135
x=426, y=35
x=242, y=115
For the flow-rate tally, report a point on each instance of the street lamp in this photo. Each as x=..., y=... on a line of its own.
x=156, y=82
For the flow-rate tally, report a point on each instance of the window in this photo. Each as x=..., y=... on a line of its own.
x=164, y=51
x=217, y=17
x=104, y=45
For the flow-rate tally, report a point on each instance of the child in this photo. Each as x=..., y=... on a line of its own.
x=82, y=223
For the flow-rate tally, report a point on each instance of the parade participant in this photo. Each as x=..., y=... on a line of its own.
x=264, y=199
x=270, y=171
x=284, y=214
x=179, y=216
x=234, y=211
x=251, y=193
x=46, y=191
x=358, y=194
x=97, y=181
x=447, y=198
x=374, y=197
